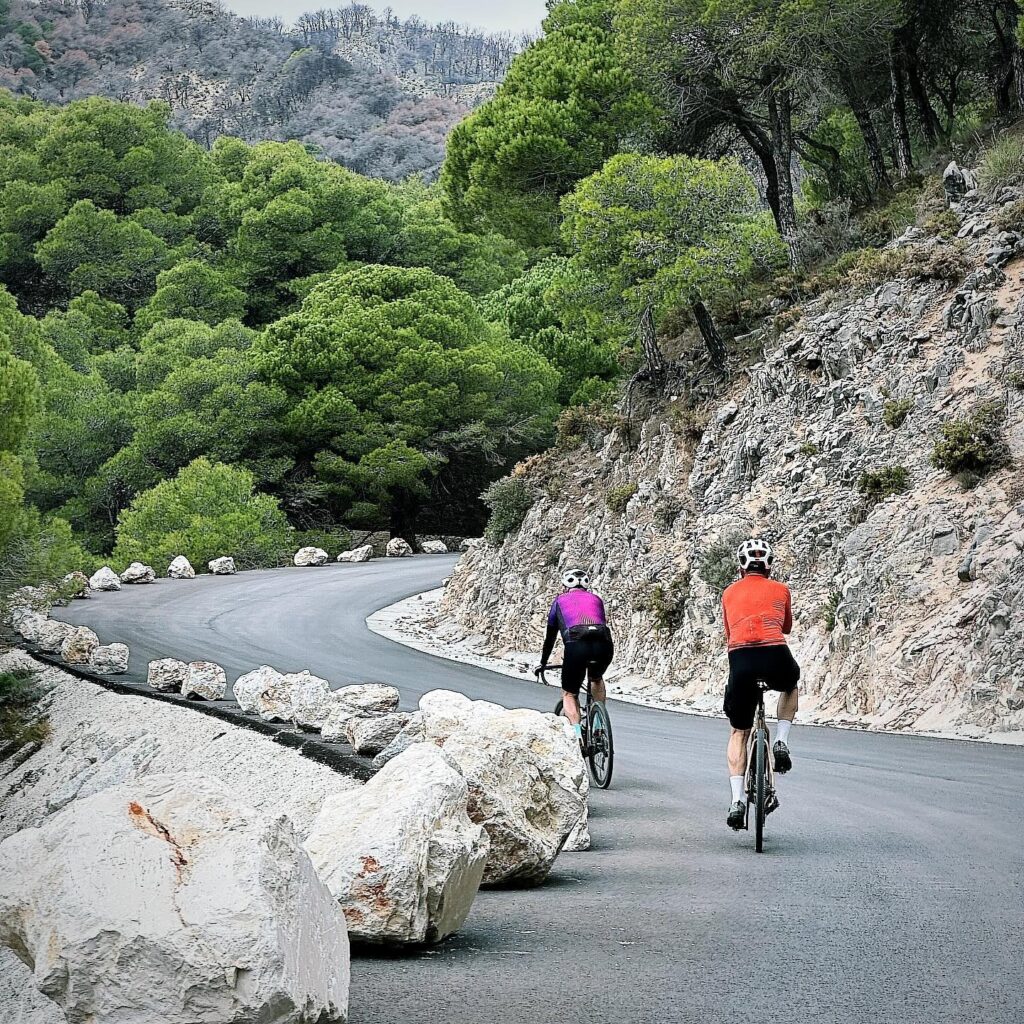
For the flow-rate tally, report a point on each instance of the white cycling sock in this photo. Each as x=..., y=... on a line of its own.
x=736, y=781
x=783, y=730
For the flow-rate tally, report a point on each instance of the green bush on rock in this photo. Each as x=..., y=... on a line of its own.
x=973, y=444
x=509, y=501
x=206, y=511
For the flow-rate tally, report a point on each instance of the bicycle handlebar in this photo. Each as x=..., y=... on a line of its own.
x=539, y=672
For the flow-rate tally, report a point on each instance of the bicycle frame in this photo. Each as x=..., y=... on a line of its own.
x=759, y=723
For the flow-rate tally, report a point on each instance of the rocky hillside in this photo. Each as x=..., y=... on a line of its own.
x=908, y=578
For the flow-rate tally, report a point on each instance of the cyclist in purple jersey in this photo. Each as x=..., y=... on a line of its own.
x=578, y=616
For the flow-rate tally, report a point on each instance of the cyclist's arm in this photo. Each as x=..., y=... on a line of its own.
x=725, y=621
x=551, y=635
x=787, y=625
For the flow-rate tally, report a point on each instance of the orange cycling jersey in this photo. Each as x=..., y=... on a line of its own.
x=757, y=612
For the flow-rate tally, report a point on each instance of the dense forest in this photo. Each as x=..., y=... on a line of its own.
x=377, y=94
x=247, y=345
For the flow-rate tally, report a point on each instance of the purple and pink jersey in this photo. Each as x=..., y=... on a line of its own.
x=576, y=608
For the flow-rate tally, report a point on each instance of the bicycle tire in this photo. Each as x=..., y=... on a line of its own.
x=558, y=708
x=601, y=756
x=760, y=795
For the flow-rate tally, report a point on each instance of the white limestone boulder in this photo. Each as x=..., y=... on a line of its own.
x=28, y=623
x=52, y=634
x=400, y=854
x=412, y=732
x=310, y=556
x=469, y=543
x=261, y=691
x=167, y=674
x=434, y=547
x=370, y=736
x=361, y=554
x=397, y=548
x=166, y=899
x=110, y=659
x=181, y=569
x=223, y=566
x=105, y=579
x=528, y=783
x=204, y=681
x=369, y=698
x=137, y=572
x=78, y=645
x=311, y=700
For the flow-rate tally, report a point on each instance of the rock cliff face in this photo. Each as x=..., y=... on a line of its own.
x=909, y=609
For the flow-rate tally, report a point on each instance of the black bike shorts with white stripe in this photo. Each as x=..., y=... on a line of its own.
x=587, y=648
x=774, y=664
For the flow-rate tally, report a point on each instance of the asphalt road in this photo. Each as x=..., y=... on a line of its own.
x=891, y=889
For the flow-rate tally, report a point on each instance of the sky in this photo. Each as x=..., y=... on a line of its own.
x=496, y=15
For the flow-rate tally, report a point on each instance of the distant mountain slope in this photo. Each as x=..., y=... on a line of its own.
x=446, y=59
x=258, y=79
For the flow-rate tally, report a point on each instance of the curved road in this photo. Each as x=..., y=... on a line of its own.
x=891, y=889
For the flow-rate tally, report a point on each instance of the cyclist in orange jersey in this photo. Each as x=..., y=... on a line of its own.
x=757, y=612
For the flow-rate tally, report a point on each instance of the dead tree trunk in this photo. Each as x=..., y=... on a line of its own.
x=898, y=101
x=654, y=360
x=781, y=119
x=713, y=341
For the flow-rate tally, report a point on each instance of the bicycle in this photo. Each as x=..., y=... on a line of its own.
x=760, y=781
x=596, y=743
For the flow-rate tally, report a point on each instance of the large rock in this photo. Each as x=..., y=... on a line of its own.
x=370, y=736
x=311, y=700
x=264, y=692
x=369, y=698
x=52, y=634
x=110, y=660
x=528, y=785
x=167, y=674
x=105, y=579
x=400, y=854
x=434, y=547
x=397, y=548
x=28, y=623
x=360, y=554
x=311, y=556
x=412, y=733
x=181, y=569
x=137, y=572
x=204, y=680
x=78, y=645
x=168, y=900
x=223, y=566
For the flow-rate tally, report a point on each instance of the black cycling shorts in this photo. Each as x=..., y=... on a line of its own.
x=774, y=664
x=587, y=649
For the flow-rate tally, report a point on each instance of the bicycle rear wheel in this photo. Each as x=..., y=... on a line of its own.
x=760, y=788
x=601, y=750
x=558, y=707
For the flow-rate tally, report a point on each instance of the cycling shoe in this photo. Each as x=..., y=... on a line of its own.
x=737, y=816
x=783, y=761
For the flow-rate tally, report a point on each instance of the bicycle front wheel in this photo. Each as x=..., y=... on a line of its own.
x=760, y=787
x=601, y=749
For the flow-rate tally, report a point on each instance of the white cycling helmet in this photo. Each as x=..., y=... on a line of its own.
x=575, y=578
x=755, y=554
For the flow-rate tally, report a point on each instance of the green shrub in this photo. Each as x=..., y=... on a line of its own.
x=667, y=511
x=332, y=540
x=973, y=444
x=666, y=604
x=878, y=484
x=828, y=611
x=19, y=722
x=895, y=412
x=1010, y=217
x=206, y=511
x=43, y=549
x=509, y=500
x=881, y=224
x=809, y=448
x=1003, y=163
x=718, y=567
x=1015, y=378
x=944, y=224
x=618, y=498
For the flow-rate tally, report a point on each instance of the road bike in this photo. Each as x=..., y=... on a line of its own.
x=596, y=732
x=760, y=781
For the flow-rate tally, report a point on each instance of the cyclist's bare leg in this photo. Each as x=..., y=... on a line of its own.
x=789, y=704
x=736, y=753
x=597, y=690
x=571, y=707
